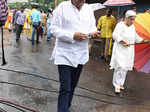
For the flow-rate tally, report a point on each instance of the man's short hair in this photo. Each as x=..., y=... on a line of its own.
x=22, y=7
x=109, y=10
x=35, y=6
x=134, y=7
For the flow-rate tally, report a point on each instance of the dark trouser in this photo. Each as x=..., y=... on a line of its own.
x=19, y=29
x=69, y=77
x=34, y=30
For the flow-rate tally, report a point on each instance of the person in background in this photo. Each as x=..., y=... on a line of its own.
x=123, y=16
x=106, y=25
x=30, y=22
x=72, y=24
x=13, y=21
x=49, y=20
x=36, y=20
x=148, y=10
x=8, y=24
x=134, y=8
x=19, y=21
x=44, y=21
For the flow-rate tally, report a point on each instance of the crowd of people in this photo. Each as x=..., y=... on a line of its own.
x=30, y=21
x=73, y=24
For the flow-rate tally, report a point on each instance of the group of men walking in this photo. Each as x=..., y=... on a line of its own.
x=40, y=22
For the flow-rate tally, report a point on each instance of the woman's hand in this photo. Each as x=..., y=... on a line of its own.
x=124, y=43
x=146, y=41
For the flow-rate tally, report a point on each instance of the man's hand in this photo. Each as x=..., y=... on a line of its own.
x=79, y=36
x=95, y=34
x=124, y=43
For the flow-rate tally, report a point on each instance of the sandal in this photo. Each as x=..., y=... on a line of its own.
x=117, y=90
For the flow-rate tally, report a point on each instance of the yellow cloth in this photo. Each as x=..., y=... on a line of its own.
x=30, y=22
x=106, y=26
x=8, y=22
x=27, y=22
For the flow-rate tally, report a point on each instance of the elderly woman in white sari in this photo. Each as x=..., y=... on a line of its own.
x=122, y=59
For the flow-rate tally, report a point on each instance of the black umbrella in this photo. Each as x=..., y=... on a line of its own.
x=3, y=53
x=3, y=17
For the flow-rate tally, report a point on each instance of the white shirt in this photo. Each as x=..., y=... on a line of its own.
x=123, y=57
x=49, y=18
x=66, y=21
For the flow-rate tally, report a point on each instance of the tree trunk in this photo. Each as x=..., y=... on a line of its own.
x=56, y=2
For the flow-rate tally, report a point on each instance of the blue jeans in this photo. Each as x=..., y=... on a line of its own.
x=34, y=30
x=68, y=77
x=48, y=31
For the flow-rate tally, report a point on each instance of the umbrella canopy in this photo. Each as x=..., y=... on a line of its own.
x=94, y=1
x=118, y=2
x=142, y=51
x=97, y=6
x=142, y=25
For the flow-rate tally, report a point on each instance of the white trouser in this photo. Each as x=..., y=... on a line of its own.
x=119, y=77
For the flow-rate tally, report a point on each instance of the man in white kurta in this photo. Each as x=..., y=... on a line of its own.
x=72, y=22
x=123, y=52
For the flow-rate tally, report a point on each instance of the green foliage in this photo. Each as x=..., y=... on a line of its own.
x=44, y=4
x=59, y=1
x=17, y=5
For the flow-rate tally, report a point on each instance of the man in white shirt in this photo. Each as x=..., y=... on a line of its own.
x=72, y=24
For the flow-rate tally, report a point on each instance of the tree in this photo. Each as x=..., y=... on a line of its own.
x=44, y=4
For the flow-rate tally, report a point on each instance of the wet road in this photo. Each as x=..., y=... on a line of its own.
x=30, y=66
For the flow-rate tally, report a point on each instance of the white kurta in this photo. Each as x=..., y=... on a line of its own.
x=66, y=21
x=123, y=57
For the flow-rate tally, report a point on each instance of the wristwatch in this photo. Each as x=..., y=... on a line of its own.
x=89, y=35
